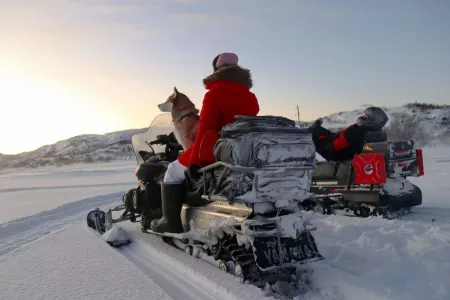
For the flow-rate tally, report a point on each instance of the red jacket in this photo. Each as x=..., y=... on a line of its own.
x=229, y=95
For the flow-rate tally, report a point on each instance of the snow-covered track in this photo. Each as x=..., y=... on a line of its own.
x=177, y=285
x=63, y=187
x=23, y=231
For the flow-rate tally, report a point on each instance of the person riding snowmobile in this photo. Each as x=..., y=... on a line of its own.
x=345, y=144
x=228, y=95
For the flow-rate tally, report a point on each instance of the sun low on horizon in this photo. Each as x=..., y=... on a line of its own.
x=36, y=113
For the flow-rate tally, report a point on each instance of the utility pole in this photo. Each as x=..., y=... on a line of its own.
x=298, y=116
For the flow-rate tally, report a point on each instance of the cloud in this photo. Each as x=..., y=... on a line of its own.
x=66, y=35
x=64, y=20
x=250, y=13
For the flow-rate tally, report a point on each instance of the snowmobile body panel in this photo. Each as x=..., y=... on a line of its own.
x=204, y=216
x=399, y=193
x=369, y=168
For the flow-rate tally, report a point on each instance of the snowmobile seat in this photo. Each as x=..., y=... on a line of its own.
x=375, y=142
x=332, y=171
x=375, y=137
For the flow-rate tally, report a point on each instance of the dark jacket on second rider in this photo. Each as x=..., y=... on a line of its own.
x=339, y=146
x=228, y=95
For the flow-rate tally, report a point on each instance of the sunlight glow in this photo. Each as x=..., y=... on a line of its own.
x=34, y=113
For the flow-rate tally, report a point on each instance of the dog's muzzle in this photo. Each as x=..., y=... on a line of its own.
x=166, y=107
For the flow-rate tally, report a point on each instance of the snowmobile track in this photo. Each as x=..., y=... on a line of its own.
x=421, y=214
x=181, y=275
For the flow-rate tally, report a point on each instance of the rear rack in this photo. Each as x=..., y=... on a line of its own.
x=216, y=183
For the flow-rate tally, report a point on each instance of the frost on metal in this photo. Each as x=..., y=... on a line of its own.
x=116, y=236
x=283, y=155
x=397, y=186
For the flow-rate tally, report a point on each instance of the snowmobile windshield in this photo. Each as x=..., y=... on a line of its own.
x=162, y=124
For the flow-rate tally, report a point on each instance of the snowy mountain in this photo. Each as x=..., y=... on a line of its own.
x=431, y=128
x=435, y=119
x=83, y=148
x=4, y=158
x=431, y=122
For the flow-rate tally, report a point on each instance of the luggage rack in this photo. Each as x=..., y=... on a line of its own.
x=215, y=183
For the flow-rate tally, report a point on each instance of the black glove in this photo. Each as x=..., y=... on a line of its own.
x=193, y=172
x=317, y=123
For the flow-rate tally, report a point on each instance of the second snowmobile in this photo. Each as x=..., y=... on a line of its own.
x=244, y=212
x=374, y=182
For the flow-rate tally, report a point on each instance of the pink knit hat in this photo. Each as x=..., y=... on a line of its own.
x=225, y=59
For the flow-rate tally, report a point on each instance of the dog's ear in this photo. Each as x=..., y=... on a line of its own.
x=175, y=92
x=175, y=96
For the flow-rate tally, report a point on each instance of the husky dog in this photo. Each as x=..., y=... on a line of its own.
x=185, y=117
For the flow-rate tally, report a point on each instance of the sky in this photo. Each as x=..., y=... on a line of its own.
x=94, y=66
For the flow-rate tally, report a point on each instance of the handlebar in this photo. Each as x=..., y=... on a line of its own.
x=155, y=142
x=164, y=139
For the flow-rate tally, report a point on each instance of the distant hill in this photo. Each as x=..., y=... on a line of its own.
x=430, y=125
x=435, y=119
x=83, y=148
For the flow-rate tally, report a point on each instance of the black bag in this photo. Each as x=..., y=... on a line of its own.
x=143, y=199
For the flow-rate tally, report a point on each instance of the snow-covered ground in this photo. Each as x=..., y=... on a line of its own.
x=46, y=251
x=25, y=192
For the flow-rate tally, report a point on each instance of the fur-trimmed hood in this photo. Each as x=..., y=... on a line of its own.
x=232, y=73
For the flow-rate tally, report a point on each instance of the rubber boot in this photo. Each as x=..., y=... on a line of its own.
x=172, y=202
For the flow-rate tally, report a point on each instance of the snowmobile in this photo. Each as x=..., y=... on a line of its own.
x=374, y=183
x=244, y=211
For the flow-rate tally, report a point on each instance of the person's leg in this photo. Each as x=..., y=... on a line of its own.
x=173, y=193
x=320, y=133
x=323, y=141
x=175, y=173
